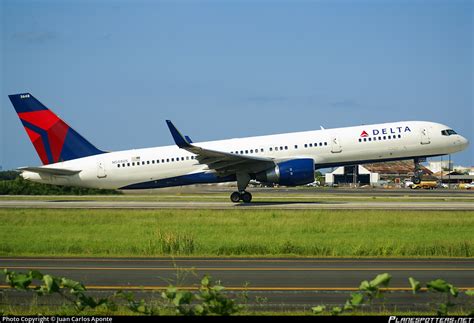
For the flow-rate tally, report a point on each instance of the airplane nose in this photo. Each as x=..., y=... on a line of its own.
x=464, y=142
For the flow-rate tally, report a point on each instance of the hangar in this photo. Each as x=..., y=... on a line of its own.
x=374, y=174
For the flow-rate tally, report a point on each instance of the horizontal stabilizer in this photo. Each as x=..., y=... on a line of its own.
x=50, y=171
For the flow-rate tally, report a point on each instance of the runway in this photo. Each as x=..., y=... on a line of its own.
x=287, y=205
x=288, y=282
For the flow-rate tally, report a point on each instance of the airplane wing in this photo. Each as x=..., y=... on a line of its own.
x=223, y=163
x=50, y=171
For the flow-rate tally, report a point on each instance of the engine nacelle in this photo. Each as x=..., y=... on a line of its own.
x=289, y=173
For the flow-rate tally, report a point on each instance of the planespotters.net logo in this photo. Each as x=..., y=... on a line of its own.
x=396, y=319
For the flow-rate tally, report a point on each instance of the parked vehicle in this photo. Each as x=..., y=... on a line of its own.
x=408, y=184
x=428, y=185
x=314, y=184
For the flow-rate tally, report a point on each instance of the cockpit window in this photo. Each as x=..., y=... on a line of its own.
x=448, y=132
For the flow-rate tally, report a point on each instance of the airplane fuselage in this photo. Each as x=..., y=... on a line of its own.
x=172, y=166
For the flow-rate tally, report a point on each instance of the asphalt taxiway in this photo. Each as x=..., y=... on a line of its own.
x=290, y=282
x=287, y=205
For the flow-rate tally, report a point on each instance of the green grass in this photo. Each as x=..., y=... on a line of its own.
x=326, y=233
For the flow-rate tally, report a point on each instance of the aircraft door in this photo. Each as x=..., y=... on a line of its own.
x=101, y=169
x=425, y=136
x=335, y=145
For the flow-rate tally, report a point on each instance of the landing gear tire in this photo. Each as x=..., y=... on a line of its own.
x=246, y=197
x=416, y=180
x=235, y=197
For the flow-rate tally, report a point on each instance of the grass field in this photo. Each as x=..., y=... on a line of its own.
x=326, y=233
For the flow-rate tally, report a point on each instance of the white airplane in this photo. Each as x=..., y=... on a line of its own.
x=288, y=159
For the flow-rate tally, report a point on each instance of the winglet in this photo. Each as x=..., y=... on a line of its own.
x=179, y=139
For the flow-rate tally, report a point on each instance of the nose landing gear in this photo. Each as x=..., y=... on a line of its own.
x=416, y=179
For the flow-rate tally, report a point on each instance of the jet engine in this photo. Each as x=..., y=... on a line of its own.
x=292, y=172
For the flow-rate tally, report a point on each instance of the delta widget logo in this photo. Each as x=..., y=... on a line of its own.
x=386, y=131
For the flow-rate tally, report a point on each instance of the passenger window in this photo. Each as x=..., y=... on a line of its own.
x=360, y=140
x=187, y=157
x=276, y=148
x=251, y=151
x=123, y=165
x=305, y=145
x=325, y=144
x=370, y=139
x=271, y=148
x=389, y=137
x=399, y=136
x=118, y=165
x=365, y=139
x=261, y=150
x=246, y=151
x=296, y=146
x=384, y=137
x=311, y=145
x=380, y=138
x=128, y=164
x=320, y=143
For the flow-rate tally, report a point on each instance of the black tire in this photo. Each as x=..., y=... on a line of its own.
x=235, y=197
x=416, y=180
x=247, y=197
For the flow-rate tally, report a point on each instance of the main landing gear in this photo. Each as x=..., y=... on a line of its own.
x=244, y=196
x=243, y=180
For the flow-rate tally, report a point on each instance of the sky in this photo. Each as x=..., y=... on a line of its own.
x=116, y=70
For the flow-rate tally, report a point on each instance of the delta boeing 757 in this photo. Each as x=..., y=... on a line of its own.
x=288, y=159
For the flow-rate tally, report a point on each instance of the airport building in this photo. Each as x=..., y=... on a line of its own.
x=376, y=174
x=454, y=177
x=440, y=165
